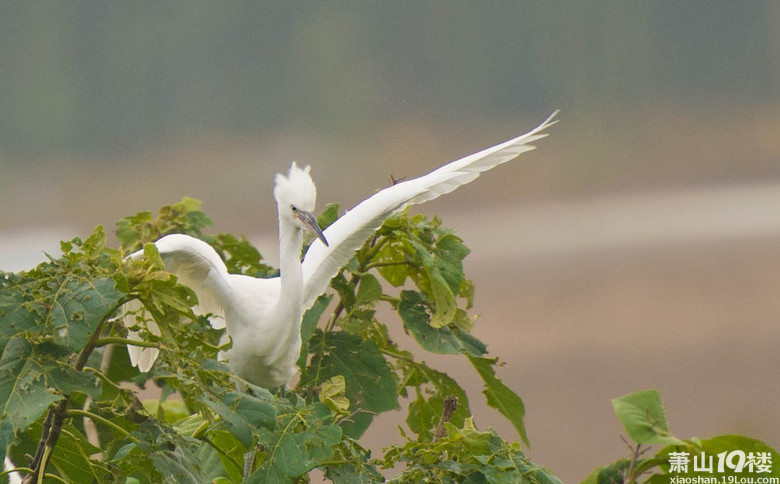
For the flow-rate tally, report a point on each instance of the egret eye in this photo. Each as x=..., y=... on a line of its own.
x=294, y=209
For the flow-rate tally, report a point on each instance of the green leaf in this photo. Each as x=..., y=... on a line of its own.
x=465, y=454
x=6, y=436
x=451, y=251
x=644, y=418
x=258, y=412
x=310, y=319
x=292, y=451
x=354, y=466
x=172, y=412
x=369, y=382
x=71, y=457
x=446, y=340
x=392, y=255
x=231, y=453
x=241, y=412
x=443, y=298
x=611, y=474
x=329, y=215
x=160, y=455
x=19, y=310
x=333, y=394
x=67, y=380
x=369, y=289
x=240, y=256
x=345, y=290
x=426, y=409
x=95, y=244
x=23, y=393
x=235, y=423
x=79, y=307
x=500, y=396
x=183, y=217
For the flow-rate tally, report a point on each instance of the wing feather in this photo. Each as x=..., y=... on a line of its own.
x=198, y=267
x=350, y=231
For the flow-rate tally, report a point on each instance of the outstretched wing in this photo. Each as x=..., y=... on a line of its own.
x=350, y=231
x=198, y=267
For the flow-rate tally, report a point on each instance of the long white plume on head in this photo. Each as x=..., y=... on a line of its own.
x=297, y=188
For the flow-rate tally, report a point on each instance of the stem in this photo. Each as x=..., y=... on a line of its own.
x=390, y=299
x=104, y=421
x=103, y=377
x=333, y=463
x=17, y=470
x=339, y=308
x=30, y=471
x=376, y=247
x=332, y=320
x=56, y=478
x=397, y=356
x=630, y=474
x=108, y=340
x=372, y=265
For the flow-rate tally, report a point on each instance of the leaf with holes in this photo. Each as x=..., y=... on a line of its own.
x=500, y=396
x=24, y=396
x=449, y=339
x=78, y=308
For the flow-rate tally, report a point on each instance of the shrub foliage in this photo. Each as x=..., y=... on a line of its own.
x=70, y=410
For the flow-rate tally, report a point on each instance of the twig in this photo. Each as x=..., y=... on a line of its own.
x=396, y=181
x=636, y=453
x=90, y=429
x=338, y=309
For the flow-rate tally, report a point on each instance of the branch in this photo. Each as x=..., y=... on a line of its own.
x=55, y=419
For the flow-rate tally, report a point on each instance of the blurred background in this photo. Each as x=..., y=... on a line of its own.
x=638, y=247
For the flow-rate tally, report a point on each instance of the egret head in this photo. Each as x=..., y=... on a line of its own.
x=295, y=196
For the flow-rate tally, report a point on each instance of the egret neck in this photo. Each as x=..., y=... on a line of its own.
x=288, y=310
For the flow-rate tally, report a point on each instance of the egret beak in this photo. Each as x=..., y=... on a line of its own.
x=309, y=222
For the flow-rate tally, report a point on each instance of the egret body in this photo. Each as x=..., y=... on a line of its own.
x=263, y=316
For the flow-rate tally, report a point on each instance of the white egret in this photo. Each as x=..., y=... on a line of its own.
x=263, y=316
